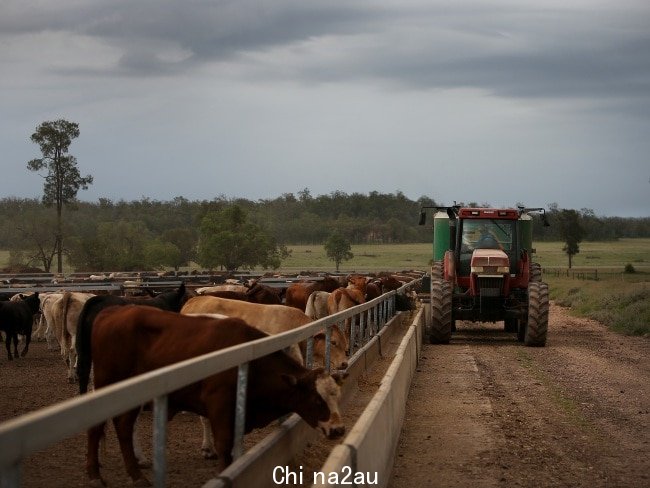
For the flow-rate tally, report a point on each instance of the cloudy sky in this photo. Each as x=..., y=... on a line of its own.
x=490, y=101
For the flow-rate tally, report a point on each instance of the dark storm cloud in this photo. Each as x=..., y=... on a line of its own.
x=206, y=30
x=507, y=51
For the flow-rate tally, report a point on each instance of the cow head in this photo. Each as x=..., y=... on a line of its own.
x=338, y=346
x=318, y=400
x=359, y=282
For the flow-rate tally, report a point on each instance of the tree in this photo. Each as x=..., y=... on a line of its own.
x=184, y=239
x=228, y=239
x=571, y=232
x=37, y=231
x=63, y=179
x=159, y=254
x=338, y=249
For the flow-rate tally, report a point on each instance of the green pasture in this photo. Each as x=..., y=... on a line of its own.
x=595, y=287
x=607, y=257
x=368, y=257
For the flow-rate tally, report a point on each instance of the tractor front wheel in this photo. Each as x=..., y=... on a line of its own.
x=441, y=312
x=536, y=327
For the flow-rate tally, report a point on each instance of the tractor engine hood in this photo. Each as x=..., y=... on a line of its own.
x=490, y=262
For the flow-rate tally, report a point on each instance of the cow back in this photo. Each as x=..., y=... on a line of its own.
x=271, y=319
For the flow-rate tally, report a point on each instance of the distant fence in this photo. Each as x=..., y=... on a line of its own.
x=594, y=274
x=29, y=433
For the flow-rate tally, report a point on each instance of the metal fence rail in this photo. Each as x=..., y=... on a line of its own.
x=29, y=433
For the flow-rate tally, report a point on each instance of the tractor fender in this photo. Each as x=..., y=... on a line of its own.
x=449, y=266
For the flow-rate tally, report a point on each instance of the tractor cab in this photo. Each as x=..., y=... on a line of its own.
x=485, y=239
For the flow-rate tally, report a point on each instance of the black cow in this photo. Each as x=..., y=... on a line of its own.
x=17, y=318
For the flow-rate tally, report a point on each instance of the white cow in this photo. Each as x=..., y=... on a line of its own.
x=66, y=312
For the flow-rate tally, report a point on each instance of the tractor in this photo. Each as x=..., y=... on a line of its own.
x=482, y=271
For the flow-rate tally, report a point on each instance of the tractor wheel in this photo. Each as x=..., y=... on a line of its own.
x=537, y=324
x=535, y=272
x=441, y=314
x=437, y=270
x=510, y=325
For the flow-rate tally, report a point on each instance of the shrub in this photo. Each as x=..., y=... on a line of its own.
x=629, y=268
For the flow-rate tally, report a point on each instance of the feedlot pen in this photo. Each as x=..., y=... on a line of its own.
x=38, y=380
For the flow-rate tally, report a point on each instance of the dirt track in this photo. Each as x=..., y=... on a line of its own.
x=485, y=411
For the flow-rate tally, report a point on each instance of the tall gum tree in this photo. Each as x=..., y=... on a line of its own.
x=63, y=180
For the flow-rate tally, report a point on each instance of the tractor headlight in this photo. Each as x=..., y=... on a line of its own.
x=490, y=269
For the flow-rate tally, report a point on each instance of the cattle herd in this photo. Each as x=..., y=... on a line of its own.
x=121, y=336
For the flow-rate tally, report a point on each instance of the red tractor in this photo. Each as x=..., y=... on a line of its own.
x=482, y=272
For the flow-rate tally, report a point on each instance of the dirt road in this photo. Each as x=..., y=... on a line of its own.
x=484, y=411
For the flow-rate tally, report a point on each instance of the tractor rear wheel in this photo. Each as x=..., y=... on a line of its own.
x=537, y=323
x=535, y=272
x=441, y=312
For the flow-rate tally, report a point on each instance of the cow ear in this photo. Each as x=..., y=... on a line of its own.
x=339, y=377
x=290, y=379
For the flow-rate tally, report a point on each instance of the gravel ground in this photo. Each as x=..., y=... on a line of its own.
x=485, y=411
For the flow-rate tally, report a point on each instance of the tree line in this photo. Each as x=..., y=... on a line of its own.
x=128, y=235
x=223, y=232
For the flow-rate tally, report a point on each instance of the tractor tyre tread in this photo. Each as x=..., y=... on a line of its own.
x=538, y=308
x=441, y=312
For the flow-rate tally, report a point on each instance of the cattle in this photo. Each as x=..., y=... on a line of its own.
x=259, y=293
x=206, y=290
x=44, y=329
x=344, y=298
x=17, y=317
x=297, y=294
x=317, y=305
x=273, y=319
x=389, y=283
x=65, y=314
x=170, y=300
x=373, y=290
x=256, y=293
x=127, y=340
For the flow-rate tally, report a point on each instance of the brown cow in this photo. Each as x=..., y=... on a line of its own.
x=373, y=290
x=272, y=319
x=132, y=339
x=344, y=298
x=256, y=293
x=297, y=294
x=259, y=293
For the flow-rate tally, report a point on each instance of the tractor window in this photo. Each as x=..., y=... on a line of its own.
x=487, y=234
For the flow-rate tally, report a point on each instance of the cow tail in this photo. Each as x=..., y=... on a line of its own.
x=83, y=345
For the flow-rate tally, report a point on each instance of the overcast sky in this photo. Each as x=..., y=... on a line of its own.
x=490, y=101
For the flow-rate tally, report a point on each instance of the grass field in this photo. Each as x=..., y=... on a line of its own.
x=620, y=300
x=366, y=258
x=604, y=256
